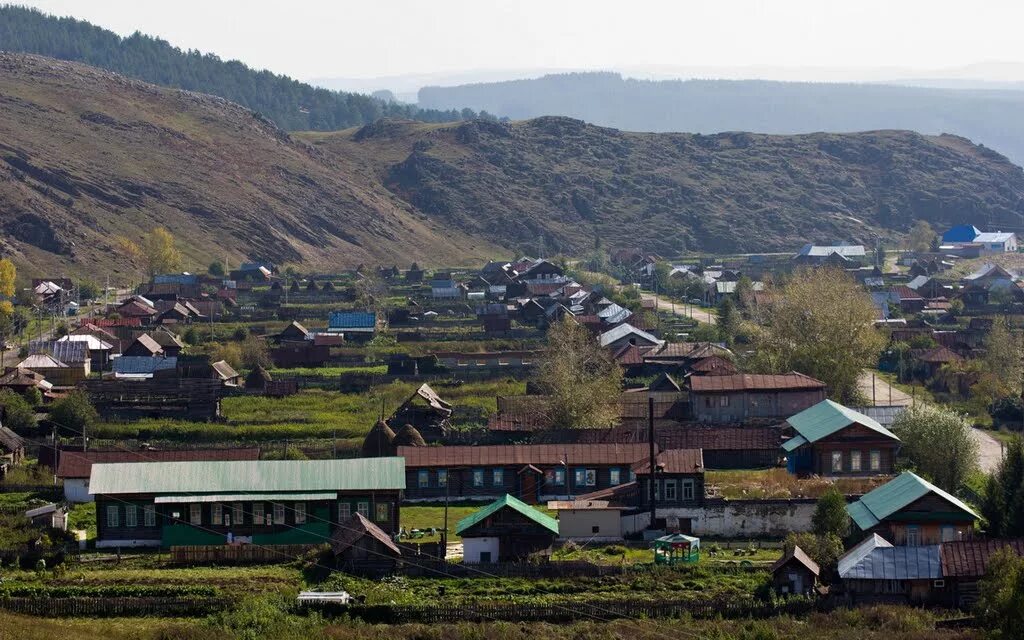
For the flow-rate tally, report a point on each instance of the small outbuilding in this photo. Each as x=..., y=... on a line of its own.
x=677, y=548
x=363, y=548
x=795, y=573
x=507, y=530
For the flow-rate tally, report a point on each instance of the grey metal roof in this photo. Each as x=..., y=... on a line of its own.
x=897, y=563
x=882, y=415
x=136, y=365
x=66, y=352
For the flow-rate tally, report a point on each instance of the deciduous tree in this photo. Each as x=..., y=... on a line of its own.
x=1000, y=607
x=580, y=378
x=922, y=428
x=830, y=517
x=921, y=236
x=821, y=324
x=162, y=256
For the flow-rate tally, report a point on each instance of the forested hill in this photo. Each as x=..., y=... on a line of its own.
x=291, y=104
x=986, y=117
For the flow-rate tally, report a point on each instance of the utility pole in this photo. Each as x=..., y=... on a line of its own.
x=650, y=448
x=444, y=532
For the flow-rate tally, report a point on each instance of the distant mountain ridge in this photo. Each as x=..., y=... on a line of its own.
x=989, y=117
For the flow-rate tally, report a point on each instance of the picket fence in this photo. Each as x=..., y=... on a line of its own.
x=114, y=607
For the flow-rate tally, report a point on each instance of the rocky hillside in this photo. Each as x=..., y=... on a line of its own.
x=87, y=155
x=573, y=183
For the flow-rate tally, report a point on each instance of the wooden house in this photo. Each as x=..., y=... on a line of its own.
x=626, y=334
x=507, y=530
x=724, y=447
x=49, y=516
x=875, y=570
x=738, y=397
x=265, y=502
x=294, y=332
x=910, y=511
x=965, y=562
x=356, y=326
x=100, y=351
x=678, y=479
x=226, y=374
x=12, y=447
x=414, y=274
x=533, y=473
x=74, y=467
x=19, y=380
x=169, y=342
x=47, y=366
x=361, y=547
x=144, y=346
x=832, y=440
x=75, y=355
x=795, y=573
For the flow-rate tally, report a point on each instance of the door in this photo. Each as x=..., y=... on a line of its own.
x=528, y=486
x=796, y=583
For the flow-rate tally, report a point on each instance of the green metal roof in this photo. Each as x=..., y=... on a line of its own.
x=543, y=520
x=245, y=497
x=248, y=476
x=824, y=419
x=879, y=504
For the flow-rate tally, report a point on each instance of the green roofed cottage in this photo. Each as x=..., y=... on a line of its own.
x=506, y=530
x=266, y=502
x=832, y=440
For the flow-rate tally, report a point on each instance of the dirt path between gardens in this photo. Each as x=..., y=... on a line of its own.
x=682, y=310
x=990, y=450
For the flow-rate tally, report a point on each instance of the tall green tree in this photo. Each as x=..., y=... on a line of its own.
x=728, y=321
x=921, y=236
x=830, y=516
x=74, y=414
x=1000, y=608
x=580, y=378
x=921, y=428
x=162, y=255
x=821, y=323
x=1003, y=502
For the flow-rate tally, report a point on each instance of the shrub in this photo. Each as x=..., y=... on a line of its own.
x=18, y=414
x=74, y=413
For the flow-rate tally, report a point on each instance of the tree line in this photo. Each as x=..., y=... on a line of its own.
x=290, y=104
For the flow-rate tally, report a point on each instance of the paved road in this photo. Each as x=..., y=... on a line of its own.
x=685, y=311
x=990, y=450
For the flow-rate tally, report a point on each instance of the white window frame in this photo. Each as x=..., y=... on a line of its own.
x=344, y=511
x=195, y=514
x=383, y=512
x=837, y=461
x=671, y=490
x=113, y=517
x=915, y=539
x=875, y=459
x=363, y=508
x=614, y=476
x=478, y=477
x=300, y=513
x=689, y=490
x=423, y=478
x=149, y=515
x=131, y=516
x=258, y=513
x=442, y=478
x=724, y=402
x=855, y=460
x=278, y=513
x=237, y=514
x=498, y=477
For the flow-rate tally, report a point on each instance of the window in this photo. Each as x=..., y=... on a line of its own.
x=709, y=402
x=278, y=513
x=237, y=515
x=498, y=477
x=363, y=509
x=591, y=478
x=300, y=513
x=557, y=476
x=216, y=514
x=837, y=461
x=257, y=513
x=632, y=475
x=423, y=478
x=614, y=476
x=855, y=461
x=913, y=536
x=442, y=478
x=195, y=513
x=875, y=460
x=595, y=529
x=344, y=511
x=485, y=557
x=585, y=477
x=949, y=533
x=112, y=516
x=688, y=490
x=724, y=402
x=670, y=490
x=131, y=517
x=383, y=512
x=149, y=515
x=502, y=362
x=478, y=477
x=462, y=363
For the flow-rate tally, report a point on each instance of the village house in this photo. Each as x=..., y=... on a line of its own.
x=75, y=467
x=844, y=256
x=49, y=516
x=489, y=362
x=595, y=517
x=507, y=530
x=74, y=356
x=965, y=562
x=144, y=346
x=965, y=237
x=626, y=334
x=144, y=367
x=265, y=502
x=832, y=440
x=739, y=397
x=678, y=479
x=356, y=326
x=444, y=287
x=252, y=272
x=533, y=473
x=795, y=574
x=12, y=448
x=875, y=570
x=19, y=380
x=426, y=411
x=910, y=511
x=361, y=547
x=100, y=351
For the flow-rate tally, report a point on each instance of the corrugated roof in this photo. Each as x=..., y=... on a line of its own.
x=623, y=330
x=969, y=558
x=10, y=440
x=143, y=365
x=821, y=251
x=673, y=461
x=41, y=361
x=67, y=352
x=754, y=382
x=92, y=342
x=78, y=464
x=859, y=551
x=523, y=454
x=147, y=342
x=883, y=415
x=239, y=497
x=224, y=370
x=797, y=554
x=827, y=418
x=898, y=493
x=352, y=320
x=509, y=502
x=896, y=563
x=248, y=476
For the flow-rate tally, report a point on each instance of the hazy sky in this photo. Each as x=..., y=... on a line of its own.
x=393, y=37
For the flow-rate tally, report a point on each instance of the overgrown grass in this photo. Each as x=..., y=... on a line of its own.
x=779, y=483
x=329, y=372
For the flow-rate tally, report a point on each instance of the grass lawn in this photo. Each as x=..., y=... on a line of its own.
x=328, y=372
x=312, y=413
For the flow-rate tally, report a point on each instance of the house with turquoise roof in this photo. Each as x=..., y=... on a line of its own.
x=829, y=439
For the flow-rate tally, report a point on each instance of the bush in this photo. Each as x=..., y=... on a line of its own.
x=18, y=414
x=74, y=413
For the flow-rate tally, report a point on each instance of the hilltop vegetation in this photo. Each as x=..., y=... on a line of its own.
x=290, y=104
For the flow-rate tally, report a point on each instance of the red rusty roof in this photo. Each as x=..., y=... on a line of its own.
x=674, y=461
x=719, y=438
x=78, y=464
x=754, y=382
x=969, y=558
x=522, y=454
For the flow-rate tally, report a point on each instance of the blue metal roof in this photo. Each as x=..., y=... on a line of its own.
x=961, y=233
x=143, y=364
x=897, y=563
x=175, y=278
x=352, y=320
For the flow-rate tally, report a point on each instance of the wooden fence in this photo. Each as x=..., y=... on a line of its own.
x=113, y=607
x=564, y=611
x=241, y=554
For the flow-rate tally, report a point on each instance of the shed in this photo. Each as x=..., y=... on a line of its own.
x=506, y=530
x=50, y=516
x=12, y=446
x=363, y=548
x=795, y=573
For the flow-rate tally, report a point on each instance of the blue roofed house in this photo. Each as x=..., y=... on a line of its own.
x=961, y=233
x=832, y=440
x=876, y=570
x=986, y=242
x=145, y=367
x=356, y=326
x=910, y=511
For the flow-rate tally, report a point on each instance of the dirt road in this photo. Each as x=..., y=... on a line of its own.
x=682, y=310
